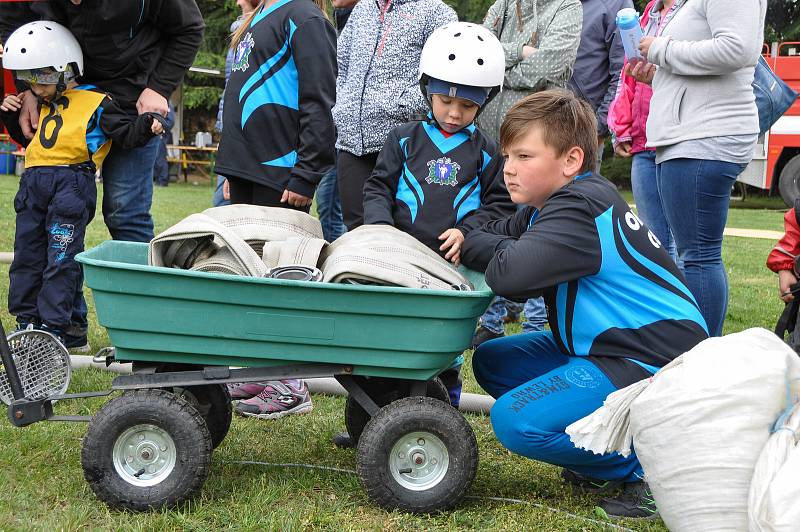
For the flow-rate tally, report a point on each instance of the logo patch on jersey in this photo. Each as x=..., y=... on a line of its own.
x=443, y=171
x=241, y=59
x=584, y=377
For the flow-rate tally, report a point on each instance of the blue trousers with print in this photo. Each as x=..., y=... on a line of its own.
x=53, y=205
x=539, y=392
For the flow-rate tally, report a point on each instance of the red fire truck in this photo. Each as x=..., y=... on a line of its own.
x=776, y=162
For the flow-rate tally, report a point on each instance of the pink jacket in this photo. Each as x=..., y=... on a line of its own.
x=627, y=114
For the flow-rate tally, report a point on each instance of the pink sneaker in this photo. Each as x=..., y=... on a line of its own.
x=277, y=399
x=245, y=390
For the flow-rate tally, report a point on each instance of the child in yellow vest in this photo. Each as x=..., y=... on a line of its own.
x=57, y=196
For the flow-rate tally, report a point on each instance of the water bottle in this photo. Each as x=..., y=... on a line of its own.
x=630, y=32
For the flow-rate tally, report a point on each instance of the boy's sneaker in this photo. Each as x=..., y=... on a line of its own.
x=245, y=390
x=589, y=484
x=483, y=335
x=277, y=399
x=76, y=343
x=635, y=502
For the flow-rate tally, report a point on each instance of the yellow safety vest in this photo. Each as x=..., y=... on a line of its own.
x=63, y=126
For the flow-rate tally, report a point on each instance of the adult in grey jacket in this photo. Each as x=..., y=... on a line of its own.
x=540, y=39
x=599, y=61
x=378, y=85
x=703, y=123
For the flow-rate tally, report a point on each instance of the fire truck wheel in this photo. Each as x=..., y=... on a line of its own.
x=789, y=184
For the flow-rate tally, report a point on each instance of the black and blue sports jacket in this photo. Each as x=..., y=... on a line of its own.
x=425, y=182
x=612, y=291
x=277, y=127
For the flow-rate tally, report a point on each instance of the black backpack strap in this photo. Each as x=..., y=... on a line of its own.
x=788, y=319
x=797, y=211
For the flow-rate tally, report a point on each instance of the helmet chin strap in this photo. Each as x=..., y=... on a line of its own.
x=423, y=85
x=61, y=86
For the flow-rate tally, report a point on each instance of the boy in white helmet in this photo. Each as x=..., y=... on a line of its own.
x=442, y=178
x=56, y=198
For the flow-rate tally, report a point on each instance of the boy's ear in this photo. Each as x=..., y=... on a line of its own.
x=573, y=162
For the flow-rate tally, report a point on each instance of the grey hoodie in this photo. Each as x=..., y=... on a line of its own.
x=377, y=88
x=706, y=58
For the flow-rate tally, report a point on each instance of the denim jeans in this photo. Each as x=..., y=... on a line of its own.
x=161, y=167
x=128, y=191
x=648, y=200
x=218, y=200
x=535, y=315
x=329, y=208
x=695, y=194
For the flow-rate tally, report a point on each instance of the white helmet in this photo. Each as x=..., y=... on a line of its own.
x=43, y=44
x=465, y=54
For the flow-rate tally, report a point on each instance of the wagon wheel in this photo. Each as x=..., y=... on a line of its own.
x=212, y=401
x=146, y=449
x=356, y=418
x=417, y=454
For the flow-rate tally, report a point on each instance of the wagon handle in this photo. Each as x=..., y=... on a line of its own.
x=11, y=370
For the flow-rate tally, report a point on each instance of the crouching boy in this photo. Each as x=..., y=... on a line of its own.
x=618, y=307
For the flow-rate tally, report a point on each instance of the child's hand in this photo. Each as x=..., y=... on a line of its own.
x=11, y=103
x=157, y=128
x=453, y=240
x=785, y=281
x=294, y=199
x=623, y=149
x=641, y=71
x=226, y=190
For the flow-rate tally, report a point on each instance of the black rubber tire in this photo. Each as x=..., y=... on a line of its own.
x=789, y=183
x=356, y=418
x=214, y=403
x=412, y=414
x=156, y=407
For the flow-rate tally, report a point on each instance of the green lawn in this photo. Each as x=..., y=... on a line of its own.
x=44, y=487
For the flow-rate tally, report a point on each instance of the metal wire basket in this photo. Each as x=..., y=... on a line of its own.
x=42, y=363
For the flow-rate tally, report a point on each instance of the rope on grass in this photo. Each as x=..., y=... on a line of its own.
x=473, y=497
x=550, y=509
x=302, y=466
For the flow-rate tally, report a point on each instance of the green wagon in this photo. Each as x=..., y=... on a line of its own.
x=188, y=334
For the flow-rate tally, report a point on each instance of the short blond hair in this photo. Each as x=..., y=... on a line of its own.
x=564, y=120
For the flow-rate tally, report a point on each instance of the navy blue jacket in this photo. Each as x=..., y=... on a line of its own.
x=600, y=57
x=277, y=125
x=612, y=291
x=425, y=183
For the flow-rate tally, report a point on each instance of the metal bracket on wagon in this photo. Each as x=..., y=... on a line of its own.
x=224, y=375
x=23, y=412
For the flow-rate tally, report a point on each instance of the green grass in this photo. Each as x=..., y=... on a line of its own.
x=44, y=487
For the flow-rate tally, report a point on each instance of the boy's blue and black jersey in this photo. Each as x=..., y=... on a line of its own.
x=76, y=129
x=426, y=182
x=612, y=291
x=277, y=127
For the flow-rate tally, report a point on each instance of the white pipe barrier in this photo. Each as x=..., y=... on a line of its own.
x=470, y=402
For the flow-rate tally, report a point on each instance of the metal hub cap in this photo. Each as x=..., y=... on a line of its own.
x=144, y=455
x=419, y=461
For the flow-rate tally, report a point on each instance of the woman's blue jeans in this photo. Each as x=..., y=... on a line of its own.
x=695, y=194
x=329, y=208
x=648, y=201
